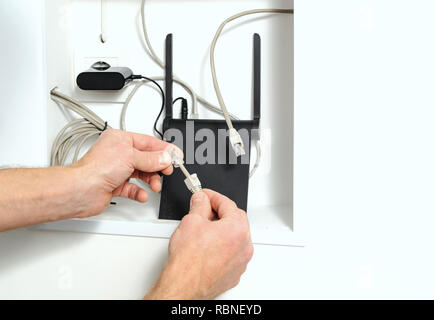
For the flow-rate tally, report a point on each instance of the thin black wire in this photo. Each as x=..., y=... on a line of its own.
x=177, y=99
x=182, y=110
x=163, y=98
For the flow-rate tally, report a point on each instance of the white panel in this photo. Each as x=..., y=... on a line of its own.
x=73, y=44
x=23, y=122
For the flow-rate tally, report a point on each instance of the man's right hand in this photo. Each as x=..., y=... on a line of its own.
x=208, y=252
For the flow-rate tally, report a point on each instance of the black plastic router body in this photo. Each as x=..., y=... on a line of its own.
x=226, y=174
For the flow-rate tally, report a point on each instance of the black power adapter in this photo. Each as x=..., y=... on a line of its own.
x=101, y=76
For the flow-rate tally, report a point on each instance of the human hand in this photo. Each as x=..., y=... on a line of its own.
x=116, y=157
x=208, y=252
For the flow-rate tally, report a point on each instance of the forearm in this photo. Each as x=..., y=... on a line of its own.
x=33, y=196
x=178, y=281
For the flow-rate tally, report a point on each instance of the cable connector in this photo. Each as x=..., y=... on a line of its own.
x=191, y=180
x=236, y=142
x=176, y=160
x=193, y=183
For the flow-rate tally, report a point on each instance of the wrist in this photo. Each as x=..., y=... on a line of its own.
x=178, y=281
x=85, y=189
x=72, y=190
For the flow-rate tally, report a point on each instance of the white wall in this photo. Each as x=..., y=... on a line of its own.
x=363, y=175
x=73, y=29
x=22, y=84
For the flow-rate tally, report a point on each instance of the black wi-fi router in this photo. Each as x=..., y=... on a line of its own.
x=225, y=174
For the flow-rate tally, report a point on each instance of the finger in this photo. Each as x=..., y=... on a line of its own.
x=222, y=205
x=152, y=161
x=151, y=178
x=131, y=191
x=155, y=183
x=144, y=142
x=168, y=171
x=199, y=204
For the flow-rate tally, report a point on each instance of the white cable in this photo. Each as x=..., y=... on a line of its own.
x=76, y=132
x=234, y=136
x=212, y=53
x=202, y=100
x=191, y=180
x=132, y=94
x=102, y=36
x=258, y=158
x=79, y=131
x=158, y=61
x=127, y=103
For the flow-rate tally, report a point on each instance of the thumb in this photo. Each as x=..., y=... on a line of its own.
x=201, y=205
x=152, y=161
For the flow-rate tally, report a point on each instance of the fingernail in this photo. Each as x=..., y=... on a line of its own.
x=176, y=152
x=165, y=159
x=197, y=197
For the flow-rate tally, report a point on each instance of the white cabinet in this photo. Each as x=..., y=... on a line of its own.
x=72, y=44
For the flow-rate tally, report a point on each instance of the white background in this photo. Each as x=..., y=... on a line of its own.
x=363, y=166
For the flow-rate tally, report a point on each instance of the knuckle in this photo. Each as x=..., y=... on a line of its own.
x=227, y=203
x=239, y=233
x=106, y=133
x=153, y=160
x=249, y=253
x=191, y=219
x=109, y=133
x=118, y=135
x=133, y=193
x=242, y=215
x=149, y=161
x=232, y=203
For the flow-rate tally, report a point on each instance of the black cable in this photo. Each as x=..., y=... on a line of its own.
x=163, y=98
x=184, y=107
x=177, y=99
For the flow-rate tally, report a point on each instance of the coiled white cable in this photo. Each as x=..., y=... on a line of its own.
x=75, y=133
